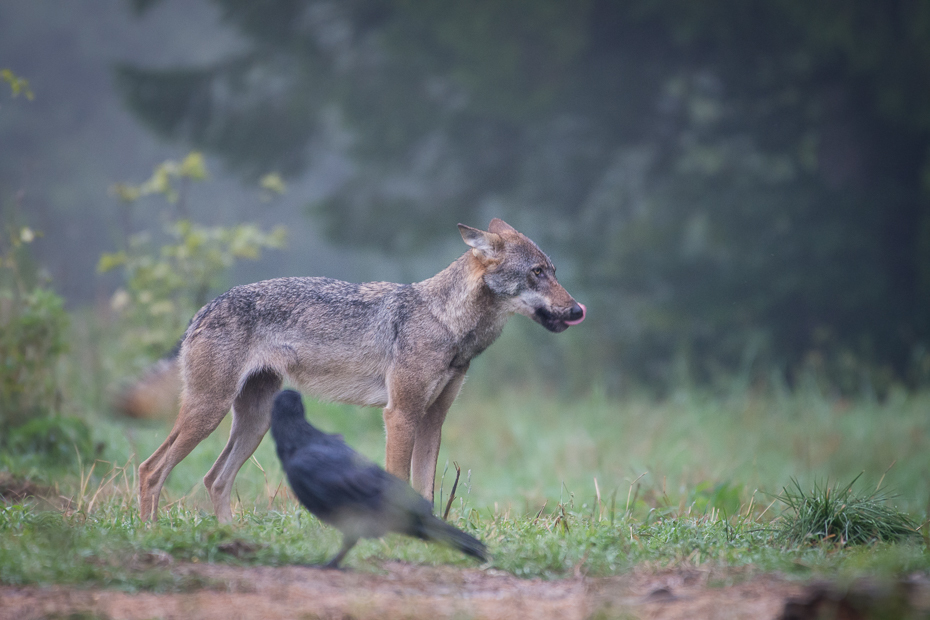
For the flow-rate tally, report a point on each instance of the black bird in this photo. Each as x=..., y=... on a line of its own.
x=344, y=489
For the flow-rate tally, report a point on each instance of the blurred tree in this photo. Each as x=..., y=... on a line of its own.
x=751, y=181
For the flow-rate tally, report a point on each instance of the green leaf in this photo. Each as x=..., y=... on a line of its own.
x=193, y=166
x=273, y=182
x=111, y=261
x=17, y=84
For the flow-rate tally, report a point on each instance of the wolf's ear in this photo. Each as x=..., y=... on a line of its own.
x=499, y=226
x=485, y=245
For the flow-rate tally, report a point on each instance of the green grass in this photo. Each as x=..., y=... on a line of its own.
x=688, y=481
x=520, y=450
x=108, y=545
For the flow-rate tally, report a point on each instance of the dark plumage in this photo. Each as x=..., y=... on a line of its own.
x=344, y=489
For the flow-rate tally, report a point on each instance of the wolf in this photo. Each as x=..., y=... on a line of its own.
x=403, y=347
x=346, y=490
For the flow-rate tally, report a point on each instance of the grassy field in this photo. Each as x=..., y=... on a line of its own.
x=520, y=450
x=554, y=485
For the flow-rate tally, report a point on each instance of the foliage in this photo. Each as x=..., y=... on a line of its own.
x=834, y=515
x=164, y=178
x=165, y=286
x=17, y=84
x=273, y=183
x=51, y=442
x=749, y=181
x=33, y=325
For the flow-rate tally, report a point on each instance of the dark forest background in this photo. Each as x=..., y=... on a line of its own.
x=734, y=188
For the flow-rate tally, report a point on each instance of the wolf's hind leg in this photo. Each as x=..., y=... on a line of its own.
x=251, y=419
x=197, y=418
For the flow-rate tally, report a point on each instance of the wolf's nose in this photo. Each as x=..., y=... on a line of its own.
x=576, y=314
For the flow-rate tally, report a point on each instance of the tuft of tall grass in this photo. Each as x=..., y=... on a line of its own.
x=836, y=515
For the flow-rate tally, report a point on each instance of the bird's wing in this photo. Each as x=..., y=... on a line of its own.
x=329, y=483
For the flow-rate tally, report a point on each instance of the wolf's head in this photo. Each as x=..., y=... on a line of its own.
x=516, y=270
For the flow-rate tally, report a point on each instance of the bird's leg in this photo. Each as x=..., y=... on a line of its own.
x=347, y=543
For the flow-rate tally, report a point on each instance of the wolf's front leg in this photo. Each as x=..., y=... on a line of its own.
x=424, y=456
x=429, y=436
x=400, y=427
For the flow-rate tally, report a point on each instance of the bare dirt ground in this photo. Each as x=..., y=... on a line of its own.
x=415, y=592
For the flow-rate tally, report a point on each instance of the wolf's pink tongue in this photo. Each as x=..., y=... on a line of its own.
x=584, y=311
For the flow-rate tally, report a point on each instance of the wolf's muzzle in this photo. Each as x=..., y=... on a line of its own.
x=559, y=322
x=576, y=315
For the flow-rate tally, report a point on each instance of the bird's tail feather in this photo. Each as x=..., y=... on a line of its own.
x=440, y=531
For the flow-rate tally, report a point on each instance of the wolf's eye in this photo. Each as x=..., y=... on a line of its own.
x=537, y=271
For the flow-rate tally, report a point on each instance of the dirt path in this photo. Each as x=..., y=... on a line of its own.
x=414, y=592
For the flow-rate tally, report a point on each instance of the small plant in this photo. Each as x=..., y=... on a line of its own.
x=33, y=323
x=53, y=441
x=836, y=515
x=33, y=328
x=166, y=285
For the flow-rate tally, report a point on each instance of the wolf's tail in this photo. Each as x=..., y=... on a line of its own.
x=440, y=531
x=155, y=394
